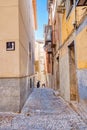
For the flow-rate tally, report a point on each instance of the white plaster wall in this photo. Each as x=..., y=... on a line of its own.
x=64, y=77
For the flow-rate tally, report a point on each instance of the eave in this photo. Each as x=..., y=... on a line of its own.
x=35, y=13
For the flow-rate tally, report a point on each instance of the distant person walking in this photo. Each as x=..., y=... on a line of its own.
x=43, y=85
x=38, y=84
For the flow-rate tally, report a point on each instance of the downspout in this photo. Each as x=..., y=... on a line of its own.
x=75, y=26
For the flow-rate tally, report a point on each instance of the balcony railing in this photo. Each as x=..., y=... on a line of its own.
x=48, y=48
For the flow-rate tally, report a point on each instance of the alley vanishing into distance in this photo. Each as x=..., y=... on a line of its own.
x=43, y=43
x=43, y=111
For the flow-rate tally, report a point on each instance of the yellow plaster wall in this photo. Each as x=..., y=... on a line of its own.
x=80, y=13
x=81, y=48
x=9, y=60
x=67, y=26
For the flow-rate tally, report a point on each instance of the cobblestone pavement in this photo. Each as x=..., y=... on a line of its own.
x=43, y=111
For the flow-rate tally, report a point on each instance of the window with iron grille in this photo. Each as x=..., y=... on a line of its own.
x=10, y=46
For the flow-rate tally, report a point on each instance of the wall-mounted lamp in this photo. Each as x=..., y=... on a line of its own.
x=74, y=24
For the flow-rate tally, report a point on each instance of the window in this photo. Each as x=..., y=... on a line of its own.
x=30, y=83
x=10, y=46
x=30, y=50
x=29, y=46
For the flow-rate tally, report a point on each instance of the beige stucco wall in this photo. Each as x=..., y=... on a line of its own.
x=16, y=25
x=26, y=36
x=16, y=67
x=64, y=73
x=9, y=32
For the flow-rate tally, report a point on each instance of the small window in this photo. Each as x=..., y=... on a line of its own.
x=30, y=83
x=29, y=46
x=30, y=50
x=10, y=46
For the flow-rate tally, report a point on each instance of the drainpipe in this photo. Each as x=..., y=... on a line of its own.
x=75, y=16
x=75, y=27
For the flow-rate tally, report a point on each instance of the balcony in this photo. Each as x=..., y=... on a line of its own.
x=60, y=6
x=48, y=48
x=48, y=33
x=49, y=3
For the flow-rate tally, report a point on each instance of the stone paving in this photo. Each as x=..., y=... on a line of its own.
x=43, y=111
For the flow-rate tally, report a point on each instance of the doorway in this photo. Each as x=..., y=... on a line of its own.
x=72, y=71
x=57, y=74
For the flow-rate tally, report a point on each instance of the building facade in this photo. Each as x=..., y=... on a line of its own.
x=48, y=54
x=17, y=40
x=68, y=19
x=40, y=63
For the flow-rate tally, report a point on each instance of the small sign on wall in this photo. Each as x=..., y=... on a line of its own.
x=10, y=46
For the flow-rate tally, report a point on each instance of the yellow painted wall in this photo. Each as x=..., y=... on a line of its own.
x=9, y=60
x=80, y=13
x=67, y=23
x=67, y=26
x=81, y=48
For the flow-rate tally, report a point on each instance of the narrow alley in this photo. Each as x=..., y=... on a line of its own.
x=43, y=111
x=43, y=43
